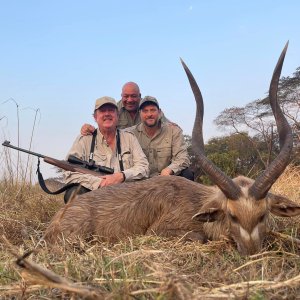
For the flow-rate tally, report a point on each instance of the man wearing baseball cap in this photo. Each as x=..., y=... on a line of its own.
x=107, y=147
x=162, y=142
x=128, y=109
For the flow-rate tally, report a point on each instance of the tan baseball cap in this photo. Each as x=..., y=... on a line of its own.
x=149, y=100
x=105, y=100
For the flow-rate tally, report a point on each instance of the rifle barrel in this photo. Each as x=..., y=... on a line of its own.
x=7, y=144
x=75, y=165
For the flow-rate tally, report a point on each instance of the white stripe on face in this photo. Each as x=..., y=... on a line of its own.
x=246, y=236
x=255, y=234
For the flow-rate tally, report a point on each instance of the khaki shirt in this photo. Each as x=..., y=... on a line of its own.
x=135, y=162
x=125, y=119
x=166, y=149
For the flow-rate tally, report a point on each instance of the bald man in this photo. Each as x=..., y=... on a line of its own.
x=128, y=108
x=129, y=105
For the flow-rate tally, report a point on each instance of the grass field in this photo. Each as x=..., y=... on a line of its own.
x=140, y=267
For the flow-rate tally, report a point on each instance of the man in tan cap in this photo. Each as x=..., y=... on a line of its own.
x=162, y=142
x=130, y=164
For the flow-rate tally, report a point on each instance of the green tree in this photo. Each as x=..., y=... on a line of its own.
x=257, y=120
x=233, y=154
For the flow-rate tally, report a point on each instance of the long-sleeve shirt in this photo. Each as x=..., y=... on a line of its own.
x=134, y=160
x=166, y=148
x=125, y=119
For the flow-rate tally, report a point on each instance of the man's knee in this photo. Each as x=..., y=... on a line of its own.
x=187, y=173
x=78, y=190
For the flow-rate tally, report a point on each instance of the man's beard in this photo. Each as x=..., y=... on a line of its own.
x=152, y=124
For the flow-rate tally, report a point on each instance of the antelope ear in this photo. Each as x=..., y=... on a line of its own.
x=209, y=215
x=283, y=207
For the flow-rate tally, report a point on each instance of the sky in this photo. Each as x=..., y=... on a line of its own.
x=58, y=57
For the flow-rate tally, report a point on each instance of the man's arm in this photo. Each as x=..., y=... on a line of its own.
x=112, y=179
x=87, y=129
x=80, y=149
x=164, y=119
x=140, y=168
x=180, y=158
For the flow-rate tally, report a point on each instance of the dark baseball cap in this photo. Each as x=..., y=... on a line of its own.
x=148, y=100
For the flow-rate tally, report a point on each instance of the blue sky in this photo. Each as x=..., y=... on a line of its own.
x=59, y=56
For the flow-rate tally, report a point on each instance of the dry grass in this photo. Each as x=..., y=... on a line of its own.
x=140, y=267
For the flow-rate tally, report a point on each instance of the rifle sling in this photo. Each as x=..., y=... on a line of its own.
x=93, y=146
x=119, y=151
x=43, y=184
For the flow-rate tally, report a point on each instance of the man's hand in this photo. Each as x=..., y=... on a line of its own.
x=166, y=172
x=111, y=179
x=87, y=129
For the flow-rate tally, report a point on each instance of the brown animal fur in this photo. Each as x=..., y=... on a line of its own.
x=161, y=205
x=166, y=206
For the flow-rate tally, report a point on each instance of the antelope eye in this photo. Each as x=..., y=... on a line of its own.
x=233, y=218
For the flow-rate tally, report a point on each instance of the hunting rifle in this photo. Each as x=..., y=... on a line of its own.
x=73, y=164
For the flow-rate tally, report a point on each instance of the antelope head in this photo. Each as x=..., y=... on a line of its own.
x=243, y=204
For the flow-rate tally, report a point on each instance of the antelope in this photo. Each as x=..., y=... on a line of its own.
x=172, y=206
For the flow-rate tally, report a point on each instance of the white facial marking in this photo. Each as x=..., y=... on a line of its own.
x=244, y=234
x=255, y=234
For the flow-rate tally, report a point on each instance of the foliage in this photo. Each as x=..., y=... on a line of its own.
x=256, y=118
x=235, y=154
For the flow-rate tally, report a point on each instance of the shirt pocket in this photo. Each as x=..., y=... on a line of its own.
x=100, y=159
x=163, y=155
x=127, y=159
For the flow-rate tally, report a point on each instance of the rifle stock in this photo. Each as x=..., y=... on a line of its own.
x=70, y=167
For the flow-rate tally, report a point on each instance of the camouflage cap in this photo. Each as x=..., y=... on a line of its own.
x=105, y=100
x=148, y=100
